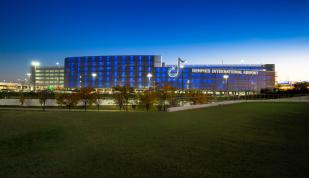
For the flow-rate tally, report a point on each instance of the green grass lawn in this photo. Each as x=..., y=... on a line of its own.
x=242, y=140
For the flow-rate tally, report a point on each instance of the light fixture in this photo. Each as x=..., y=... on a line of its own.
x=94, y=75
x=149, y=75
x=35, y=63
x=225, y=76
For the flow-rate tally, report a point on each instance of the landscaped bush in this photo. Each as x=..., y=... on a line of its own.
x=2, y=95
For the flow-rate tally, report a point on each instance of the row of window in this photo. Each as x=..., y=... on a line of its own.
x=48, y=78
x=47, y=82
x=47, y=75
x=90, y=63
x=96, y=58
x=49, y=71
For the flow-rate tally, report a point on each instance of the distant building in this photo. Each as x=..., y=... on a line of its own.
x=287, y=85
x=51, y=77
x=8, y=86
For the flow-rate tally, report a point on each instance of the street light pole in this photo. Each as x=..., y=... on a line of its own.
x=34, y=64
x=182, y=77
x=226, y=77
x=80, y=82
x=58, y=75
x=182, y=85
x=188, y=83
x=94, y=75
x=149, y=75
x=181, y=65
x=29, y=81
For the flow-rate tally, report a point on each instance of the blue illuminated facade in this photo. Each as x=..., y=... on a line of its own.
x=110, y=71
x=104, y=72
x=219, y=77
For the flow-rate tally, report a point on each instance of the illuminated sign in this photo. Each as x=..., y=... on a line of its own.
x=174, y=71
x=224, y=71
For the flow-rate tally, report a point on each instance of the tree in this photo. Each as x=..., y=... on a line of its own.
x=134, y=100
x=22, y=98
x=171, y=96
x=126, y=95
x=70, y=100
x=43, y=96
x=86, y=96
x=197, y=97
x=162, y=96
x=121, y=97
x=96, y=97
x=166, y=95
x=301, y=87
x=148, y=99
x=60, y=99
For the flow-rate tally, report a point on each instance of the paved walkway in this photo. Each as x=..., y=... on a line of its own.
x=292, y=99
x=182, y=108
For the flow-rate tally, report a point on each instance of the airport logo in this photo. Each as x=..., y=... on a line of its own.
x=174, y=71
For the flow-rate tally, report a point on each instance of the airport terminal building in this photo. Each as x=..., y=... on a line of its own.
x=144, y=71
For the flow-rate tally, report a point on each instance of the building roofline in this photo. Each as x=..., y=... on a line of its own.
x=116, y=55
x=223, y=65
x=50, y=67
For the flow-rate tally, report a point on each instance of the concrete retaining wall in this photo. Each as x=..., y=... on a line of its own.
x=181, y=108
x=52, y=102
x=49, y=102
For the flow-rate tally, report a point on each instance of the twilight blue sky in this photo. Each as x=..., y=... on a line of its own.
x=201, y=31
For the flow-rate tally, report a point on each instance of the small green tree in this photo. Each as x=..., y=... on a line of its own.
x=121, y=97
x=1, y=94
x=60, y=99
x=148, y=99
x=197, y=97
x=162, y=96
x=43, y=96
x=126, y=95
x=71, y=100
x=134, y=100
x=22, y=98
x=86, y=96
x=172, y=98
x=166, y=96
x=301, y=87
x=96, y=97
